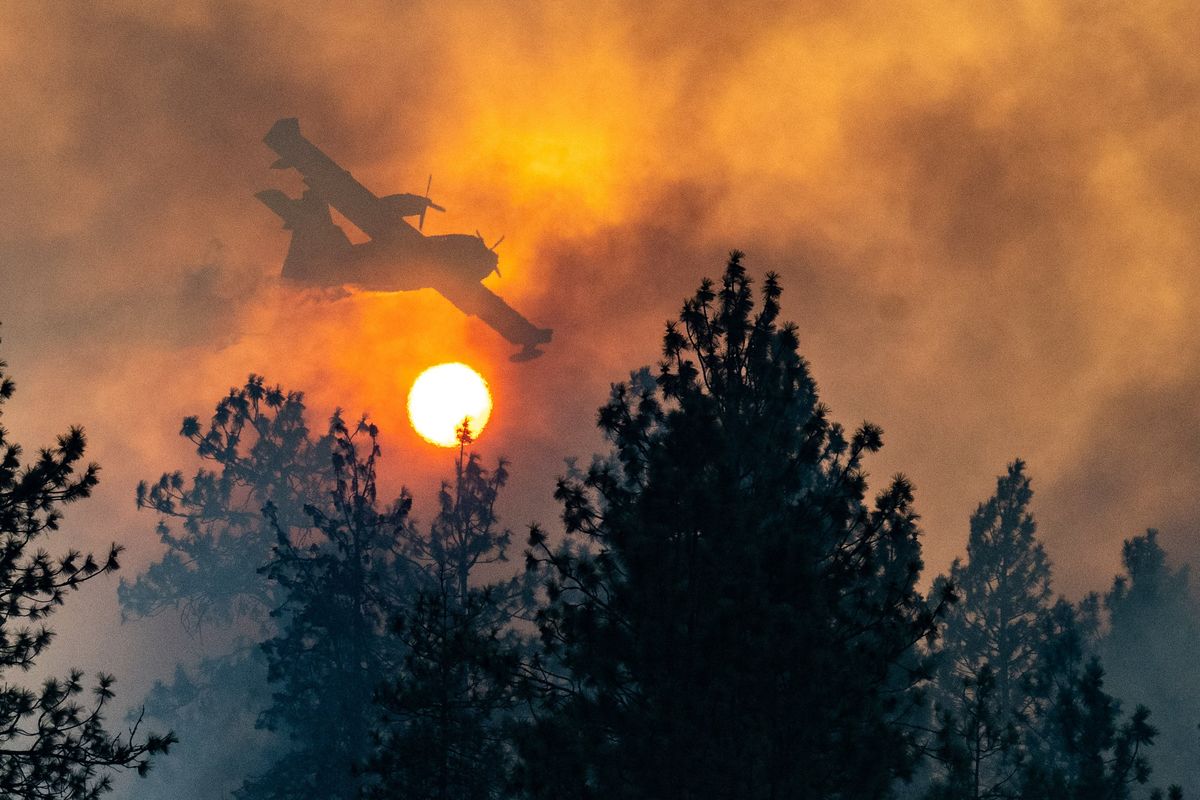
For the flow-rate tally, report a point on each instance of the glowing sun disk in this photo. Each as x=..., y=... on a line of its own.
x=442, y=397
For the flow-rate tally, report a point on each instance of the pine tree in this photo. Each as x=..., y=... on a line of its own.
x=1083, y=749
x=1021, y=706
x=256, y=449
x=989, y=645
x=1151, y=650
x=340, y=588
x=443, y=736
x=727, y=616
x=216, y=538
x=53, y=743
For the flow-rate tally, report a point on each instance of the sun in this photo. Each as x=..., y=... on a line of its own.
x=442, y=397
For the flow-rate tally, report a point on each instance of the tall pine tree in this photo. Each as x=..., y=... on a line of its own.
x=448, y=706
x=1021, y=708
x=727, y=617
x=990, y=645
x=1081, y=748
x=340, y=587
x=257, y=448
x=1151, y=650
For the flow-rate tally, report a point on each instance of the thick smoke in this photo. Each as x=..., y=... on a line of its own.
x=984, y=219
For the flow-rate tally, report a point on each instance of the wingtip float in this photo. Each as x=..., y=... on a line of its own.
x=398, y=257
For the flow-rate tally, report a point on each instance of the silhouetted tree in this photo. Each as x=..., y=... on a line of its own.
x=256, y=449
x=1083, y=749
x=53, y=743
x=259, y=443
x=1021, y=708
x=727, y=616
x=990, y=645
x=340, y=587
x=443, y=736
x=228, y=565
x=1151, y=650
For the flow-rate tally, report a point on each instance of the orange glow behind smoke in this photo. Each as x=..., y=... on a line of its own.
x=1000, y=196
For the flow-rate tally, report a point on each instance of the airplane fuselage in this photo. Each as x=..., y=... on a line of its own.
x=399, y=265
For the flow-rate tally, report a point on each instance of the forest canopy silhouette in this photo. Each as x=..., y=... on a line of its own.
x=728, y=610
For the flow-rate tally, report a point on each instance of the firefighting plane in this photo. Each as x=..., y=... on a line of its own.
x=398, y=257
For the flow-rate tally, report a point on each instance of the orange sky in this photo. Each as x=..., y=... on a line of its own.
x=985, y=217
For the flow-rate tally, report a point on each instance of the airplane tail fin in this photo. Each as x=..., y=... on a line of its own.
x=316, y=240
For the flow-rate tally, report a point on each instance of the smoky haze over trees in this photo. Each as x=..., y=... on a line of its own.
x=729, y=610
x=1152, y=651
x=256, y=450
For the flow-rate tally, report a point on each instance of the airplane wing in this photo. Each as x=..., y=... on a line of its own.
x=334, y=185
x=477, y=300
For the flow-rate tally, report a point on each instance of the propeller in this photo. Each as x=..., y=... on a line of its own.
x=428, y=205
x=479, y=236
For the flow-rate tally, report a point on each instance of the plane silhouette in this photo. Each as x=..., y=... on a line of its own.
x=398, y=257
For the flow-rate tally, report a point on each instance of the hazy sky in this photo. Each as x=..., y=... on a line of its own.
x=985, y=217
